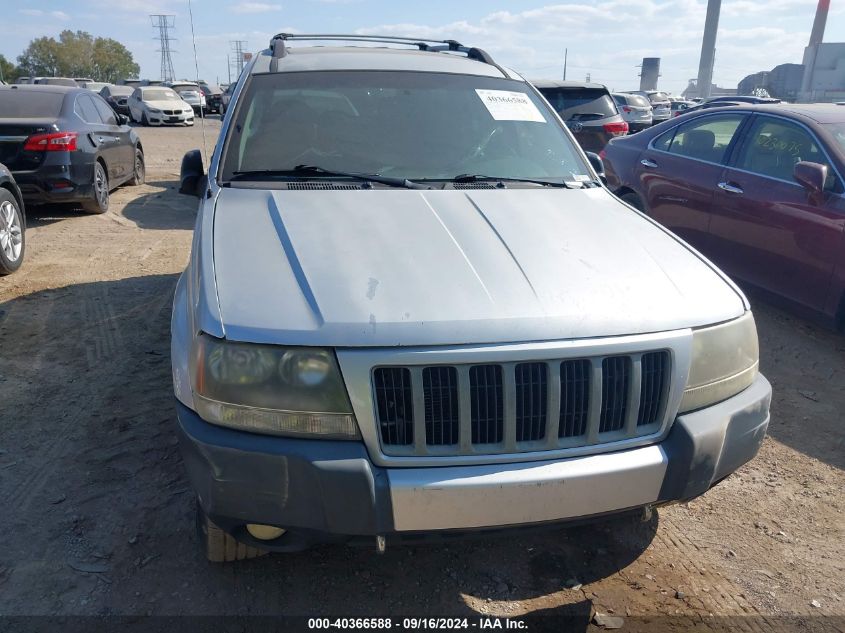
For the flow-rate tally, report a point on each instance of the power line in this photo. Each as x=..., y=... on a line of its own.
x=164, y=24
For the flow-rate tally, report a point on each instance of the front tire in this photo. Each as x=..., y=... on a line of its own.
x=12, y=233
x=99, y=202
x=219, y=546
x=144, y=120
x=140, y=171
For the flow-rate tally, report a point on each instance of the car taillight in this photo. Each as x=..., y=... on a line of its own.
x=602, y=154
x=626, y=108
x=616, y=129
x=53, y=142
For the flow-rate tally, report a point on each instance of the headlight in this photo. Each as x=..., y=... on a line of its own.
x=725, y=360
x=295, y=391
x=154, y=111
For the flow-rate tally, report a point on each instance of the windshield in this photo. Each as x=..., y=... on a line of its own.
x=415, y=126
x=837, y=132
x=580, y=103
x=658, y=97
x=29, y=104
x=160, y=95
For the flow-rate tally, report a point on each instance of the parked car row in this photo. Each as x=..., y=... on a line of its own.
x=59, y=144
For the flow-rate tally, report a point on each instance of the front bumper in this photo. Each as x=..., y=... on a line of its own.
x=171, y=119
x=330, y=490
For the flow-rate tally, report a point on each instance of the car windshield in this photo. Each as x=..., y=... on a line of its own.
x=160, y=95
x=580, y=103
x=120, y=91
x=29, y=104
x=415, y=126
x=837, y=132
x=658, y=97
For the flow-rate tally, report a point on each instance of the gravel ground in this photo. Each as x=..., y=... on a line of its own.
x=97, y=513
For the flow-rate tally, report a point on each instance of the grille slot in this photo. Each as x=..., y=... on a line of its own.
x=474, y=185
x=532, y=393
x=487, y=403
x=506, y=407
x=394, y=401
x=440, y=389
x=654, y=373
x=575, y=378
x=615, y=375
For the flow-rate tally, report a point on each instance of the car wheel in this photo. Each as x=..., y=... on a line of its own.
x=219, y=546
x=144, y=120
x=140, y=172
x=12, y=233
x=634, y=200
x=99, y=201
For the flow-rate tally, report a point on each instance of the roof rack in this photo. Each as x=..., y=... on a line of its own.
x=277, y=44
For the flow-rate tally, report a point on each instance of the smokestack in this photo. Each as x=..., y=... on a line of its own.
x=816, y=38
x=650, y=73
x=708, y=47
x=819, y=23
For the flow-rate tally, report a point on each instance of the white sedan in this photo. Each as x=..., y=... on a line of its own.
x=158, y=105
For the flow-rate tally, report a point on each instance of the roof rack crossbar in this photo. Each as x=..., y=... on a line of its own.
x=277, y=44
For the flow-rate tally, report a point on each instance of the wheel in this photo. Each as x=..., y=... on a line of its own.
x=634, y=200
x=99, y=202
x=140, y=172
x=219, y=546
x=144, y=120
x=12, y=233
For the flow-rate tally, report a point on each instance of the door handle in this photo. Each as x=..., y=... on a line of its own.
x=730, y=188
x=645, y=162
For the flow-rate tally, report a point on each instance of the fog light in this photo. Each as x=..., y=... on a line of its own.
x=264, y=532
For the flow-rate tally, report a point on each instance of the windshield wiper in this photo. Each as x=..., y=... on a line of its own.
x=461, y=178
x=304, y=171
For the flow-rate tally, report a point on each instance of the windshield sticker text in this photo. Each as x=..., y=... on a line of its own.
x=504, y=105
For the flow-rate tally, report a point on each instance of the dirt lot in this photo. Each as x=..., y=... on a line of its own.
x=97, y=516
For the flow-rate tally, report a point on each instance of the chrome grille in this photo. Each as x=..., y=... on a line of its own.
x=514, y=407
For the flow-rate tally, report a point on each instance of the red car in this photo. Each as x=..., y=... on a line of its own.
x=759, y=189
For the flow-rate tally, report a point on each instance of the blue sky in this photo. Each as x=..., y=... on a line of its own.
x=606, y=38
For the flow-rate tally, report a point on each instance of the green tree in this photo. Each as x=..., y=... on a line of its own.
x=78, y=54
x=8, y=71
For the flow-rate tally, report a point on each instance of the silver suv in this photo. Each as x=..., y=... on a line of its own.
x=412, y=307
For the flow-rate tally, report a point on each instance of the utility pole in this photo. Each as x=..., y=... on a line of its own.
x=565, y=58
x=164, y=24
x=236, y=61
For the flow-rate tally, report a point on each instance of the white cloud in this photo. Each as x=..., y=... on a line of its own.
x=60, y=15
x=33, y=12
x=255, y=7
x=609, y=38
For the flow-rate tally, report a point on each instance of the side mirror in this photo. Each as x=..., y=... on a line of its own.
x=122, y=119
x=597, y=164
x=811, y=176
x=191, y=174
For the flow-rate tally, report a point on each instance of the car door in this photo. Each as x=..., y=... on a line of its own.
x=101, y=136
x=679, y=170
x=124, y=147
x=766, y=228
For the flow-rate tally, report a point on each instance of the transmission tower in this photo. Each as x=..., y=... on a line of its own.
x=165, y=24
x=236, y=60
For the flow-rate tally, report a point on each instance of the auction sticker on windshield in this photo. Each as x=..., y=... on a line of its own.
x=504, y=105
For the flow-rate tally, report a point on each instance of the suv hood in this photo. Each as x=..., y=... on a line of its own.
x=398, y=267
